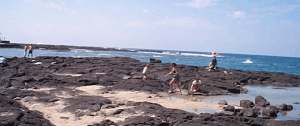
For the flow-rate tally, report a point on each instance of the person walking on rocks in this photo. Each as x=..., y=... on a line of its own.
x=145, y=71
x=25, y=50
x=30, y=51
x=175, y=81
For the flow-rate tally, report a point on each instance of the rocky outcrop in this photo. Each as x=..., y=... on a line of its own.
x=261, y=101
x=246, y=104
x=156, y=115
x=261, y=108
x=14, y=114
x=125, y=73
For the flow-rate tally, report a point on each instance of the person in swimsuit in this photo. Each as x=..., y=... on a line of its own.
x=195, y=87
x=25, y=50
x=145, y=72
x=175, y=81
x=30, y=51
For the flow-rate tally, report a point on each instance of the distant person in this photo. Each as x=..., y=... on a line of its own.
x=195, y=87
x=30, y=51
x=145, y=72
x=25, y=50
x=213, y=64
x=175, y=81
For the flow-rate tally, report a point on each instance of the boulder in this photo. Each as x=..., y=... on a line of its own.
x=270, y=111
x=229, y=108
x=153, y=60
x=250, y=112
x=261, y=101
x=285, y=107
x=246, y=104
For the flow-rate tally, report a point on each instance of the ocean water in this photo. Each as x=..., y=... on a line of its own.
x=233, y=61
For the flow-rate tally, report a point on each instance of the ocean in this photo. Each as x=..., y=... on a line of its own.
x=288, y=65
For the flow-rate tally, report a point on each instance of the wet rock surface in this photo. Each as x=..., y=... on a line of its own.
x=19, y=76
x=156, y=115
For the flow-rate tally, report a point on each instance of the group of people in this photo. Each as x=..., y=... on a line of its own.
x=175, y=83
x=28, y=51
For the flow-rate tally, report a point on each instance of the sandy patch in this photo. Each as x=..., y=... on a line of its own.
x=53, y=111
x=162, y=98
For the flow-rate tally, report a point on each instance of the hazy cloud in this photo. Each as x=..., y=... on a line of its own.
x=57, y=5
x=238, y=14
x=199, y=4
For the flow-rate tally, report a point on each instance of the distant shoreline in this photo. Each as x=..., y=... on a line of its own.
x=59, y=47
x=70, y=47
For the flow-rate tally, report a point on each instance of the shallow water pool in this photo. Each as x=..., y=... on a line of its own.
x=275, y=95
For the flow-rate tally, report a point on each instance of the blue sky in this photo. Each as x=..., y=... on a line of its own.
x=266, y=27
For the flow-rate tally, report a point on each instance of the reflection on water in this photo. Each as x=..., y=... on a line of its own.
x=275, y=95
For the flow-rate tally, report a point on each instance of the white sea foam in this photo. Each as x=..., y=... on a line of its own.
x=170, y=53
x=81, y=50
x=191, y=54
x=148, y=52
x=198, y=54
x=247, y=61
x=104, y=54
x=2, y=59
x=157, y=56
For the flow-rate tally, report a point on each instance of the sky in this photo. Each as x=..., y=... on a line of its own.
x=263, y=27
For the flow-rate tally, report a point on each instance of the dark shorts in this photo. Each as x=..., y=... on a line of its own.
x=176, y=78
x=30, y=51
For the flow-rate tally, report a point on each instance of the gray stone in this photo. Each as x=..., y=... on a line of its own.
x=246, y=104
x=223, y=102
x=261, y=101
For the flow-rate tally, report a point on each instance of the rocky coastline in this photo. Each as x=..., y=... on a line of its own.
x=63, y=80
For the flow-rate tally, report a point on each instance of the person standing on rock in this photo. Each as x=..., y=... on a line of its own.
x=213, y=64
x=30, y=51
x=175, y=81
x=145, y=72
x=25, y=50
